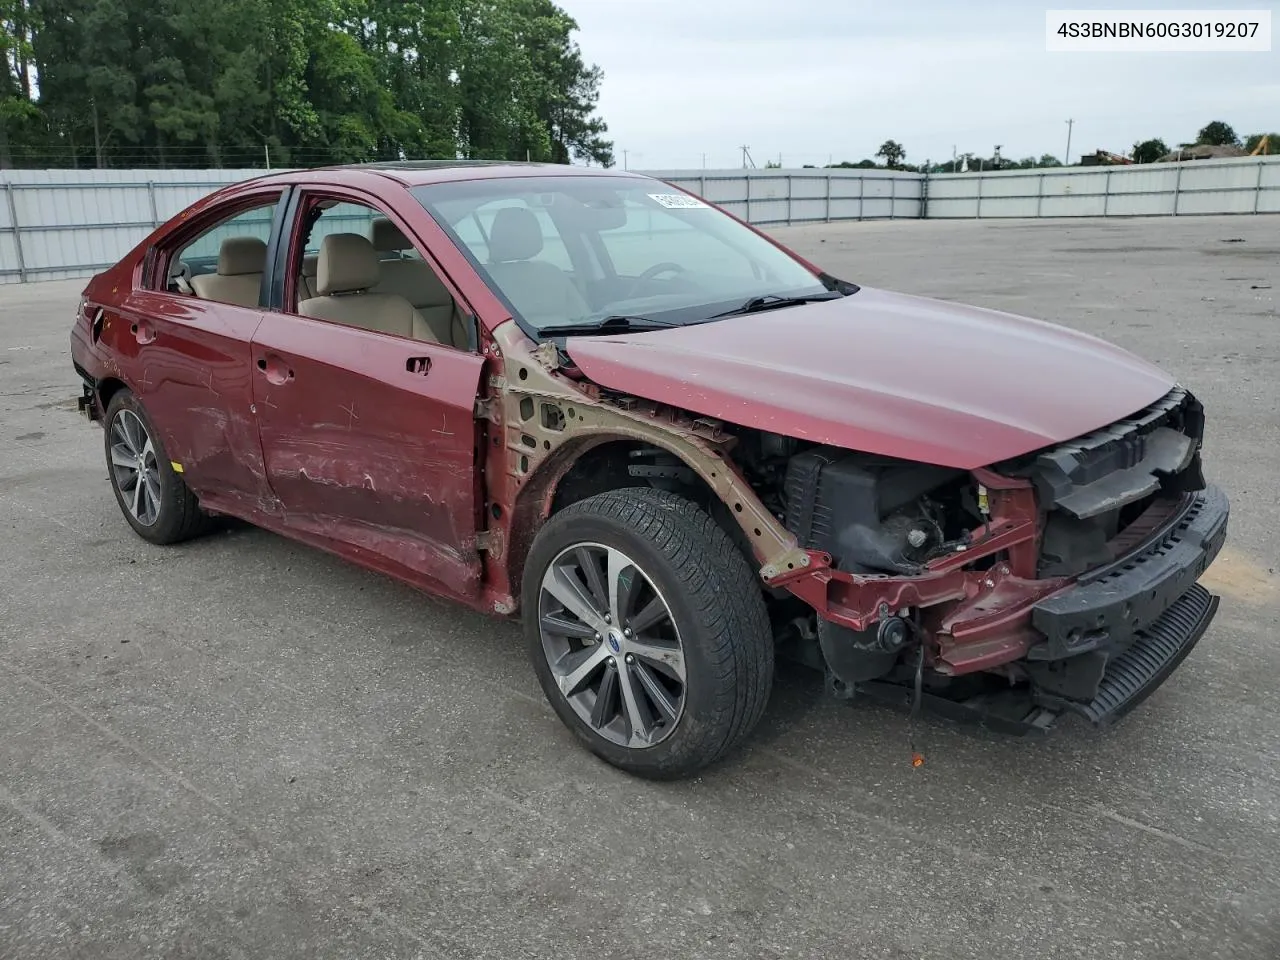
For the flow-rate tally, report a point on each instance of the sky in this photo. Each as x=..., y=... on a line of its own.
x=822, y=80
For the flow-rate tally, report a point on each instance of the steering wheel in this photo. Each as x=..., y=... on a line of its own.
x=652, y=273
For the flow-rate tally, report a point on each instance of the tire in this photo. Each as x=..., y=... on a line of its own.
x=165, y=510
x=699, y=677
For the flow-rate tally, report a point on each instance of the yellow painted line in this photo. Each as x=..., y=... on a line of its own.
x=177, y=467
x=1236, y=576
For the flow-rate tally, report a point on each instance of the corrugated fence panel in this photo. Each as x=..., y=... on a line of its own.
x=73, y=222
x=1234, y=185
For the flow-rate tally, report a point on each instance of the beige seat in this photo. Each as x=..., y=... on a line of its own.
x=307, y=279
x=414, y=280
x=345, y=275
x=241, y=261
x=541, y=291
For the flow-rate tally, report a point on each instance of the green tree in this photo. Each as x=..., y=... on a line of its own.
x=1271, y=149
x=1149, y=151
x=892, y=152
x=178, y=83
x=1217, y=134
x=18, y=114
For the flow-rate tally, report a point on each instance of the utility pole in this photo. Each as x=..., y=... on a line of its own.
x=704, y=161
x=624, y=160
x=1066, y=161
x=266, y=152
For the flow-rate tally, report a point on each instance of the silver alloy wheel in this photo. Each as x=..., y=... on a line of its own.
x=134, y=469
x=612, y=645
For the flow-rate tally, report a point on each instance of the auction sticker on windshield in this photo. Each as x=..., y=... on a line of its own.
x=676, y=201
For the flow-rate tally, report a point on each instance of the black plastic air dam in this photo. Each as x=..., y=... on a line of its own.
x=1107, y=607
x=1131, y=677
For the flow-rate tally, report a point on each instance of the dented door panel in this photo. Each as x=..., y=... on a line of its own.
x=188, y=360
x=370, y=440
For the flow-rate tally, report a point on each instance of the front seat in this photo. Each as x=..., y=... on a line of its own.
x=414, y=280
x=307, y=279
x=346, y=272
x=241, y=261
x=540, y=291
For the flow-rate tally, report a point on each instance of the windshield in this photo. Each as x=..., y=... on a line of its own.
x=572, y=251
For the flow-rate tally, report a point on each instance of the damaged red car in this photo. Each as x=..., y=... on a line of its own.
x=673, y=447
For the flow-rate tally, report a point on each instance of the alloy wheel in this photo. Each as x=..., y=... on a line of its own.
x=134, y=468
x=612, y=645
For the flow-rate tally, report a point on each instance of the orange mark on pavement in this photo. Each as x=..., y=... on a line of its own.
x=1236, y=576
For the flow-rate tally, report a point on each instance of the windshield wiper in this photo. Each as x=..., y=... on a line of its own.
x=772, y=301
x=607, y=325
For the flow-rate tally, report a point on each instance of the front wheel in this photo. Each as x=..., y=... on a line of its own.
x=648, y=631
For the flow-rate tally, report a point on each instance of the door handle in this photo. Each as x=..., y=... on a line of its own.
x=418, y=365
x=275, y=369
x=143, y=332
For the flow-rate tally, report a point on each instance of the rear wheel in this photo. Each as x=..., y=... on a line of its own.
x=647, y=630
x=152, y=496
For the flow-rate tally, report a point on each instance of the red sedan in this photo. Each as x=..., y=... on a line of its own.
x=666, y=442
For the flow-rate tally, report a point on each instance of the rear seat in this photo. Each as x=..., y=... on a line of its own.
x=241, y=261
x=414, y=280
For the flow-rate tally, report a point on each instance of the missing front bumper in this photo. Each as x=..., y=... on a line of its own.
x=1126, y=681
x=1107, y=608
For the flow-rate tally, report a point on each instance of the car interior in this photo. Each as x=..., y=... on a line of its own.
x=241, y=262
x=376, y=281
x=347, y=275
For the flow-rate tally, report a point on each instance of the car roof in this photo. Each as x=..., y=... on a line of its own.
x=415, y=173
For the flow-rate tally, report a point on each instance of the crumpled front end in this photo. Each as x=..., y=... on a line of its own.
x=1068, y=576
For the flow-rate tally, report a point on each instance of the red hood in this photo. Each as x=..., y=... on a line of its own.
x=885, y=373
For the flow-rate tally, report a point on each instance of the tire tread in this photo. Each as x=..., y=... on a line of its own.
x=725, y=593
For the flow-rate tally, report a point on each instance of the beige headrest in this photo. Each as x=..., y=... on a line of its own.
x=310, y=264
x=240, y=255
x=347, y=263
x=388, y=237
x=515, y=235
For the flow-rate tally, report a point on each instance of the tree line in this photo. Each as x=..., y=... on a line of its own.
x=243, y=83
x=892, y=155
x=1218, y=133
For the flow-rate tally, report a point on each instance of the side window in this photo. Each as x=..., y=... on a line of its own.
x=357, y=268
x=225, y=262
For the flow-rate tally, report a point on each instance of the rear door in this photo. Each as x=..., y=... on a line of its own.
x=369, y=439
x=187, y=357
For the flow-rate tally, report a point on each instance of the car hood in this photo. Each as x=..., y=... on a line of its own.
x=885, y=373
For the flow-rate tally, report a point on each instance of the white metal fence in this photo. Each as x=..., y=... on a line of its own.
x=57, y=224
x=1240, y=185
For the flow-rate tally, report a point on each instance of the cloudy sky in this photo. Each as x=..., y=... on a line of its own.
x=819, y=79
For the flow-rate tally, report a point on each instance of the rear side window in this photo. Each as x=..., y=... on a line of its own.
x=226, y=260
x=255, y=222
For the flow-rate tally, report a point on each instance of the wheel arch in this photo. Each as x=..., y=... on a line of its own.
x=107, y=388
x=544, y=423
